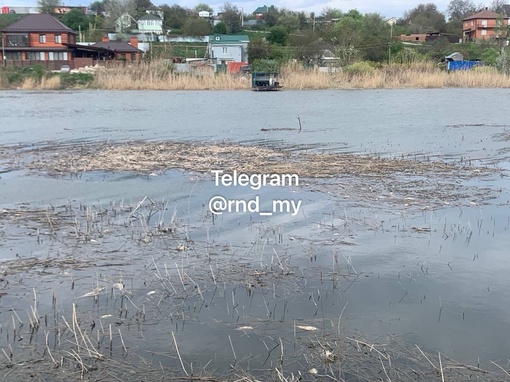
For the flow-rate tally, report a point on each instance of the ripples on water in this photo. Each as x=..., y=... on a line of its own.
x=436, y=278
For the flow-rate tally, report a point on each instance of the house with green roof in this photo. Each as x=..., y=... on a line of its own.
x=225, y=48
x=261, y=12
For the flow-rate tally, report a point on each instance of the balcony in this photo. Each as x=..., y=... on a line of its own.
x=16, y=40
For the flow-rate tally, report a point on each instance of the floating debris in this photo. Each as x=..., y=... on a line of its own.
x=307, y=328
x=94, y=293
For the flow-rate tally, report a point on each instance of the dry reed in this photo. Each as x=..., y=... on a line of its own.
x=146, y=157
x=418, y=75
x=158, y=76
x=46, y=83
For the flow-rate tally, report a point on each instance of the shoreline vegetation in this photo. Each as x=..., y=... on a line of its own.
x=158, y=75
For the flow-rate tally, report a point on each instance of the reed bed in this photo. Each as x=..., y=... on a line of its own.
x=158, y=76
x=46, y=83
x=418, y=75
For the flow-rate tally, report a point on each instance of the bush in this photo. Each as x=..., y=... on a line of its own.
x=490, y=56
x=359, y=68
x=69, y=80
x=16, y=75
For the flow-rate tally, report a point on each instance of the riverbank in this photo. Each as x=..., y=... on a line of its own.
x=158, y=76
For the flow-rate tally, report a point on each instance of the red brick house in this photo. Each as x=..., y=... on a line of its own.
x=43, y=40
x=261, y=12
x=484, y=25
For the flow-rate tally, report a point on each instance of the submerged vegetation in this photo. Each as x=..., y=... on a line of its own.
x=126, y=287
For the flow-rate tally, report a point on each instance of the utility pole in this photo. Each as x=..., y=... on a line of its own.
x=3, y=51
x=391, y=21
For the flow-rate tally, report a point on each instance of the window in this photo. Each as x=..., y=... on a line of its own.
x=42, y=39
x=35, y=56
x=225, y=50
x=484, y=32
x=58, y=39
x=13, y=56
x=16, y=40
x=58, y=56
x=484, y=23
x=133, y=57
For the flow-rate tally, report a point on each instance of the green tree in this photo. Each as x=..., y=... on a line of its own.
x=459, y=9
x=258, y=49
x=76, y=20
x=490, y=56
x=203, y=7
x=48, y=6
x=497, y=6
x=303, y=21
x=425, y=18
x=196, y=26
x=7, y=19
x=331, y=13
x=272, y=16
x=220, y=28
x=375, y=37
x=116, y=8
x=97, y=7
x=174, y=16
x=307, y=45
x=290, y=21
x=231, y=16
x=278, y=36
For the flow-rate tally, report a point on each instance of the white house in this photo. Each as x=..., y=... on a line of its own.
x=204, y=14
x=124, y=23
x=228, y=48
x=150, y=23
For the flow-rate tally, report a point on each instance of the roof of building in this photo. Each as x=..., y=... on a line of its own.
x=262, y=9
x=149, y=16
x=41, y=22
x=118, y=46
x=228, y=38
x=485, y=14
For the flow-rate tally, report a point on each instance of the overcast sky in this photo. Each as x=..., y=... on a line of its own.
x=387, y=8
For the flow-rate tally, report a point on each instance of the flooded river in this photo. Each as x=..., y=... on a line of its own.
x=136, y=267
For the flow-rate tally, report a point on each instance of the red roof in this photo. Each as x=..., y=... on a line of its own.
x=41, y=22
x=485, y=14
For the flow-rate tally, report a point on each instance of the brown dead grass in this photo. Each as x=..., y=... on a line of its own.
x=419, y=75
x=157, y=76
x=47, y=83
x=146, y=157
